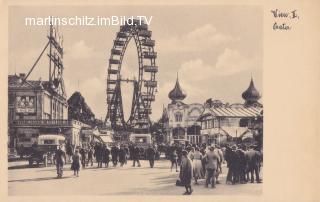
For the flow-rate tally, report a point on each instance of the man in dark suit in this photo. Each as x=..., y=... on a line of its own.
x=212, y=164
x=60, y=156
x=151, y=154
x=136, y=156
x=122, y=155
x=254, y=160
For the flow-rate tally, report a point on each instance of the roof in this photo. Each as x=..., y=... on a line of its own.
x=233, y=111
x=247, y=134
x=235, y=131
x=15, y=81
x=177, y=93
x=251, y=93
x=237, y=112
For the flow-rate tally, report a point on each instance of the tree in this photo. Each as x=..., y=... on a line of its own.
x=79, y=110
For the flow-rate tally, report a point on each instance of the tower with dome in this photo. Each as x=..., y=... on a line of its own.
x=182, y=124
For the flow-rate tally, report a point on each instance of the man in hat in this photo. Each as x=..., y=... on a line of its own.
x=114, y=155
x=228, y=158
x=212, y=163
x=242, y=164
x=60, y=156
x=235, y=160
x=254, y=160
x=136, y=156
x=122, y=155
x=151, y=154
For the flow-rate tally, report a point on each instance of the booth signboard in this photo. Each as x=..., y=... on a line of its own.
x=25, y=104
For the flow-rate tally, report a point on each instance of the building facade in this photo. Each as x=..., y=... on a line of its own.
x=181, y=123
x=35, y=108
x=222, y=123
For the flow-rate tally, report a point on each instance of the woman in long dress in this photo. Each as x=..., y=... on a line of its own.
x=197, y=165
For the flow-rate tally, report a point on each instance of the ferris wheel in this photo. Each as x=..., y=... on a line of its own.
x=144, y=86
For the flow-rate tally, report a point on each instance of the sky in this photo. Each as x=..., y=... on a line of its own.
x=214, y=49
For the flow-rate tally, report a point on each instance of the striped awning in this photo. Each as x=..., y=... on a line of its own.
x=236, y=112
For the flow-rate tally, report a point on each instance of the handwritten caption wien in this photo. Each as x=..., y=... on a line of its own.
x=284, y=20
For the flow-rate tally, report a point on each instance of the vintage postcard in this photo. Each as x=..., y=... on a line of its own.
x=160, y=100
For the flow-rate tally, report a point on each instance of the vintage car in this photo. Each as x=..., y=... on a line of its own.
x=141, y=140
x=44, y=150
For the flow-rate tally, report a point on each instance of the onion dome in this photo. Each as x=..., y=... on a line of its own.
x=177, y=93
x=251, y=95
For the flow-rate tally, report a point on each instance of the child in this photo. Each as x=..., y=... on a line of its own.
x=75, y=166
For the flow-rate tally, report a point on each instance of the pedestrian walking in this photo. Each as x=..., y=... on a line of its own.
x=105, y=153
x=242, y=164
x=212, y=159
x=186, y=172
x=104, y=156
x=90, y=156
x=98, y=154
x=60, y=156
x=122, y=155
x=114, y=155
x=197, y=165
x=174, y=160
x=127, y=154
x=235, y=165
x=151, y=154
x=254, y=160
x=203, y=161
x=219, y=169
x=136, y=156
x=191, y=153
x=75, y=165
x=69, y=151
x=131, y=151
x=229, y=160
x=83, y=157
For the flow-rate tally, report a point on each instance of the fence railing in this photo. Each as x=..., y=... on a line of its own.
x=42, y=122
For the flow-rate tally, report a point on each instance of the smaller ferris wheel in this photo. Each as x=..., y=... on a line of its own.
x=144, y=85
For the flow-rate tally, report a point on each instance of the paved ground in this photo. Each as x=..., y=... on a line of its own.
x=113, y=181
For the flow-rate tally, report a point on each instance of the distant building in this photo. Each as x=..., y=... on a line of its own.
x=181, y=123
x=221, y=123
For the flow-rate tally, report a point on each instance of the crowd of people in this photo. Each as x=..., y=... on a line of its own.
x=82, y=157
x=205, y=162
x=193, y=162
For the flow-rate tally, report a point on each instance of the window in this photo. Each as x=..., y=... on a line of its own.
x=24, y=139
x=48, y=141
x=205, y=124
x=216, y=123
x=178, y=117
x=11, y=99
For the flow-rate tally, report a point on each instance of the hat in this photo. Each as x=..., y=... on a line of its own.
x=184, y=152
